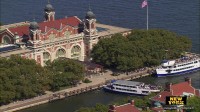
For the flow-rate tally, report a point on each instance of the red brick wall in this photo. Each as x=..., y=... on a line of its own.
x=39, y=59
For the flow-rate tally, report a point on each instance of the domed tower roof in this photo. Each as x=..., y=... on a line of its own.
x=48, y=8
x=34, y=25
x=90, y=15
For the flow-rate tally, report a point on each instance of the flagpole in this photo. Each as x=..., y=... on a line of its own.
x=147, y=15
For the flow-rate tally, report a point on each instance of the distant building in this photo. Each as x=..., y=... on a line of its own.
x=129, y=107
x=52, y=38
x=180, y=89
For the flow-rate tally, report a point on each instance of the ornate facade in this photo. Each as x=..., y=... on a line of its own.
x=67, y=37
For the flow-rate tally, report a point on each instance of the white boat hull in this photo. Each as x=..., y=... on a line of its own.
x=138, y=92
x=123, y=92
x=186, y=68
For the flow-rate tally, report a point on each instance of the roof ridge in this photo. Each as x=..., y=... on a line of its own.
x=179, y=83
x=124, y=104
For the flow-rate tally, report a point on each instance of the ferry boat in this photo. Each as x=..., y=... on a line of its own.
x=178, y=67
x=130, y=87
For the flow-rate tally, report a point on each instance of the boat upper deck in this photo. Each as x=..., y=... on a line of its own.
x=125, y=82
x=187, y=59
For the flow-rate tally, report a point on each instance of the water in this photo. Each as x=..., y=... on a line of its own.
x=180, y=16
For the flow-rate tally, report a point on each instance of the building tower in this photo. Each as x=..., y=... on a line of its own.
x=90, y=32
x=49, y=12
x=34, y=32
x=90, y=25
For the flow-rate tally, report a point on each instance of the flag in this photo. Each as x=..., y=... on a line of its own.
x=144, y=3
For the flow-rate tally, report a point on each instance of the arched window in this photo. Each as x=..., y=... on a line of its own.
x=6, y=40
x=76, y=52
x=46, y=57
x=60, y=53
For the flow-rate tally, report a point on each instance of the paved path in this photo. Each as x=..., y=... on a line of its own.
x=96, y=79
x=110, y=30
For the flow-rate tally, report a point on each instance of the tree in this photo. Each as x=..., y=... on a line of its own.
x=85, y=109
x=66, y=72
x=101, y=108
x=96, y=108
x=21, y=79
x=138, y=49
x=195, y=103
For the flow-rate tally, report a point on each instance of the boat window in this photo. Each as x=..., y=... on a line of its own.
x=126, y=90
x=195, y=62
x=145, y=91
x=118, y=88
x=117, y=84
x=133, y=90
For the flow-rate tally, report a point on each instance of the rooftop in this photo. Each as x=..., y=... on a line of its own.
x=183, y=88
x=129, y=107
x=45, y=26
x=8, y=47
x=14, y=52
x=14, y=25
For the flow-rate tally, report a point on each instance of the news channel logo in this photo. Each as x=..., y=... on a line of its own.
x=177, y=103
x=176, y=100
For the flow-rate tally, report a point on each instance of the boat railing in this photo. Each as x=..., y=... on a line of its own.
x=182, y=60
x=185, y=60
x=149, y=87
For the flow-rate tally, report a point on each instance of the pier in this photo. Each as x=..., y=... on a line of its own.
x=97, y=83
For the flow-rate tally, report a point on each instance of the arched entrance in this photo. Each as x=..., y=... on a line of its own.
x=60, y=53
x=76, y=52
x=46, y=57
x=6, y=40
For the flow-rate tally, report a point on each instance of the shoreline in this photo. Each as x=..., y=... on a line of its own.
x=97, y=83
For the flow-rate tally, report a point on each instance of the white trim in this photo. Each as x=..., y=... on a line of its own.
x=78, y=18
x=7, y=30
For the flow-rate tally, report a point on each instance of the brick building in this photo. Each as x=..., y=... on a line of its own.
x=68, y=37
x=129, y=107
x=181, y=89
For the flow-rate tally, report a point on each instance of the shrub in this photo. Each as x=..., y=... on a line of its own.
x=86, y=80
